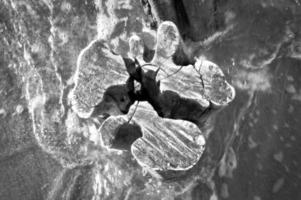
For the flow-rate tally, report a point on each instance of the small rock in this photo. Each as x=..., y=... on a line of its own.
x=278, y=185
x=2, y=112
x=281, y=138
x=252, y=144
x=290, y=89
x=213, y=197
x=290, y=78
x=19, y=109
x=66, y=7
x=257, y=198
x=278, y=156
x=275, y=127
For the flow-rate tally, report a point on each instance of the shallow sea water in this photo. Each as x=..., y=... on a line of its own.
x=252, y=151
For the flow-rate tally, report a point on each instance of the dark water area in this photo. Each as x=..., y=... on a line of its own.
x=252, y=145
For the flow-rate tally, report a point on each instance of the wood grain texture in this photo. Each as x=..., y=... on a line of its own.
x=166, y=144
x=97, y=69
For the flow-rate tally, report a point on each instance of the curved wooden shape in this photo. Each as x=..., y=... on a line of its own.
x=97, y=69
x=166, y=144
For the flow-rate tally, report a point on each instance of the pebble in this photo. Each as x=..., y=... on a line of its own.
x=278, y=156
x=256, y=198
x=278, y=185
x=213, y=197
x=275, y=127
x=290, y=89
x=19, y=109
x=2, y=112
x=66, y=7
x=290, y=78
x=251, y=143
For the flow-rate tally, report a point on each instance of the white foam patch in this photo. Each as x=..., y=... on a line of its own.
x=97, y=186
x=259, y=80
x=105, y=21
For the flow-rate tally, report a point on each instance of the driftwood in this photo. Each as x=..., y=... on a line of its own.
x=181, y=100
